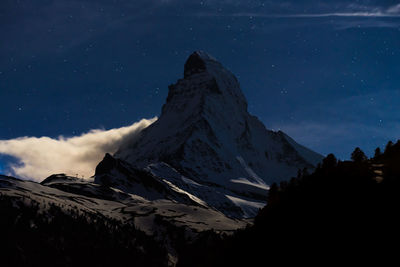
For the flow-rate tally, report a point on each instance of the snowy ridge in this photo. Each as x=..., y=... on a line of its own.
x=123, y=209
x=303, y=151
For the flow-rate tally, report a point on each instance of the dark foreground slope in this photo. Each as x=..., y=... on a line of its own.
x=29, y=239
x=66, y=221
x=344, y=212
x=70, y=238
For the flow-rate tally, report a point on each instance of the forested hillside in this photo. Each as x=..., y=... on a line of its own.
x=345, y=211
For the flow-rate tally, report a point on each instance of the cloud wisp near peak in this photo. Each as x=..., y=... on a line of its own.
x=40, y=157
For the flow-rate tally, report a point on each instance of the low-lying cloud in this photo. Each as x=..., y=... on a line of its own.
x=41, y=157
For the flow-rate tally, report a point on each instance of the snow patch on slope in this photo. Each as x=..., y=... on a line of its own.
x=249, y=208
x=189, y=181
x=245, y=181
x=178, y=190
x=252, y=174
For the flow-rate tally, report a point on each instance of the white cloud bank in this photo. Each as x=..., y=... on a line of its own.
x=41, y=157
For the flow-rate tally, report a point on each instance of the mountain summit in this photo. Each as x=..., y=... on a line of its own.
x=206, y=145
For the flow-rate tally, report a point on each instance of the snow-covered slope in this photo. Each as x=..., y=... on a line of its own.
x=160, y=219
x=218, y=152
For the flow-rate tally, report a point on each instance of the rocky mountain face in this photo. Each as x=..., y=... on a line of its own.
x=206, y=147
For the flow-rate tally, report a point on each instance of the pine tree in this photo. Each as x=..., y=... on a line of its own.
x=358, y=155
x=388, y=147
x=329, y=162
x=378, y=153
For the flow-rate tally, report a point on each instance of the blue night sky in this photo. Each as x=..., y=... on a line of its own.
x=325, y=72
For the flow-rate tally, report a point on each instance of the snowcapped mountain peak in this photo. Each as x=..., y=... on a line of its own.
x=206, y=135
x=206, y=82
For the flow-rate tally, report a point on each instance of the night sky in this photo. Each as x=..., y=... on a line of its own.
x=325, y=72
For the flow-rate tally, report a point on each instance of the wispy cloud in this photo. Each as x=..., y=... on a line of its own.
x=356, y=11
x=394, y=9
x=373, y=14
x=57, y=26
x=343, y=14
x=328, y=11
x=41, y=157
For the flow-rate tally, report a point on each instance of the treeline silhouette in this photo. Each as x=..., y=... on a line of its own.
x=345, y=212
x=60, y=237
